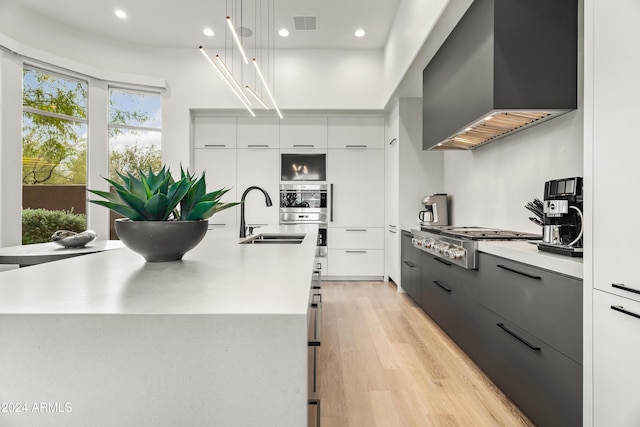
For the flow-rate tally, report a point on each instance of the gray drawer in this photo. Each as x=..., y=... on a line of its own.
x=448, y=298
x=411, y=279
x=409, y=252
x=545, y=384
x=545, y=304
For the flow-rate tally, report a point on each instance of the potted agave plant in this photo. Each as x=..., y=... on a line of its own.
x=164, y=218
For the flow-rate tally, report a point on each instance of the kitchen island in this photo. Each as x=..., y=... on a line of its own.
x=217, y=339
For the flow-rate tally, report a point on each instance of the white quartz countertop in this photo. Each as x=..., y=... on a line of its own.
x=219, y=276
x=528, y=253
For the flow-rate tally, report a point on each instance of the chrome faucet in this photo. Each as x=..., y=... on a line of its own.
x=267, y=200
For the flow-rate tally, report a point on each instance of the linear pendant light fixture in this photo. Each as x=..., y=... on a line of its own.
x=240, y=95
x=264, y=24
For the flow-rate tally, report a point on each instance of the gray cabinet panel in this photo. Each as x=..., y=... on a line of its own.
x=410, y=267
x=545, y=304
x=544, y=383
x=448, y=297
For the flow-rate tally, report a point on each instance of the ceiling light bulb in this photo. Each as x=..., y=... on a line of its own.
x=208, y=32
x=121, y=14
x=283, y=32
x=359, y=33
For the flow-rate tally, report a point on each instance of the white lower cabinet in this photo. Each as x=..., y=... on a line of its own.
x=356, y=251
x=616, y=328
x=356, y=262
x=357, y=238
x=220, y=167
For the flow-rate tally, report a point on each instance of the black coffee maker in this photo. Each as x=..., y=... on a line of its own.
x=562, y=217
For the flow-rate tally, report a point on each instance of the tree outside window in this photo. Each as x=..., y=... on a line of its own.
x=54, y=154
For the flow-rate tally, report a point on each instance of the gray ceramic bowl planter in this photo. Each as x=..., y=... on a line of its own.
x=161, y=241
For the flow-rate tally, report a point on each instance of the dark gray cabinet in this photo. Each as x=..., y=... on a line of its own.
x=544, y=383
x=530, y=327
x=448, y=296
x=546, y=304
x=521, y=324
x=410, y=267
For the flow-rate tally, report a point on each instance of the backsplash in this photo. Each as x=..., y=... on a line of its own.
x=489, y=186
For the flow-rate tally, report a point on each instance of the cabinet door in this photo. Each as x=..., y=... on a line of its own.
x=392, y=181
x=356, y=179
x=363, y=132
x=545, y=304
x=615, y=360
x=411, y=279
x=258, y=132
x=356, y=238
x=303, y=132
x=615, y=159
x=543, y=382
x=214, y=132
x=356, y=262
x=220, y=166
x=259, y=167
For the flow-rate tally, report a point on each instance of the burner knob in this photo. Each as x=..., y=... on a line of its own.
x=456, y=253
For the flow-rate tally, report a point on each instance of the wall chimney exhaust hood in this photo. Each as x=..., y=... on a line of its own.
x=507, y=65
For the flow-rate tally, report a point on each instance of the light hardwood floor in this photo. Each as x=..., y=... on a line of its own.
x=384, y=362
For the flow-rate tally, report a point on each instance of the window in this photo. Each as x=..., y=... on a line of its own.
x=54, y=152
x=134, y=131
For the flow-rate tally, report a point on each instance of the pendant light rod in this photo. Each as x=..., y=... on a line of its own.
x=237, y=39
x=226, y=79
x=266, y=86
x=235, y=81
x=255, y=95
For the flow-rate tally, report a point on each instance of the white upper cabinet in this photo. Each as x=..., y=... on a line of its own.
x=259, y=167
x=356, y=132
x=214, y=132
x=356, y=179
x=258, y=132
x=220, y=168
x=303, y=132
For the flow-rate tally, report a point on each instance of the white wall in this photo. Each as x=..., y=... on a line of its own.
x=490, y=185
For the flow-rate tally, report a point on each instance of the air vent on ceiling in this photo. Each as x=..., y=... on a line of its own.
x=305, y=23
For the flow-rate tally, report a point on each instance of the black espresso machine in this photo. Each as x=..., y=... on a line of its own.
x=562, y=228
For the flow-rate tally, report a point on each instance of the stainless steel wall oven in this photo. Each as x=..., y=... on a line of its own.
x=306, y=204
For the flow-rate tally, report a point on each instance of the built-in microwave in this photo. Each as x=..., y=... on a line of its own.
x=303, y=167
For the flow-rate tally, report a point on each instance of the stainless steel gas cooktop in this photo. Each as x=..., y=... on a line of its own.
x=458, y=245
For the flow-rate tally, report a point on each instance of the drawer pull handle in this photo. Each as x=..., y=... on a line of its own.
x=356, y=229
x=356, y=252
x=406, y=234
x=356, y=146
x=409, y=264
x=303, y=145
x=622, y=310
x=518, y=337
x=215, y=145
x=441, y=286
x=448, y=264
x=393, y=231
x=519, y=272
x=392, y=226
x=258, y=145
x=624, y=288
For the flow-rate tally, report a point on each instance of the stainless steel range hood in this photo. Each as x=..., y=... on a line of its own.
x=506, y=66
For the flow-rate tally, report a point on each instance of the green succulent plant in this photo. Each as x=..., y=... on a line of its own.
x=158, y=197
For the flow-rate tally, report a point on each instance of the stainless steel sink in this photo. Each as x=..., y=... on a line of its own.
x=277, y=239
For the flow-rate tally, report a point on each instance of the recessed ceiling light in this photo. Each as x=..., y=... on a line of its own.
x=359, y=33
x=121, y=14
x=208, y=32
x=283, y=32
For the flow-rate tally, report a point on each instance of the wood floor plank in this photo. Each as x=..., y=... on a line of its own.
x=384, y=362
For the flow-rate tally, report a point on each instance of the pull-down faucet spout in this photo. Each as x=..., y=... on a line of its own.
x=267, y=200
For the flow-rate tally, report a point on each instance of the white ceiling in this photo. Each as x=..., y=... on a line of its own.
x=179, y=24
